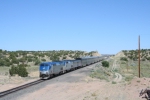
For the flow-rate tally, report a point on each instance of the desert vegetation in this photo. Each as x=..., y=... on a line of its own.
x=132, y=62
x=124, y=65
x=133, y=54
x=102, y=73
x=105, y=63
x=15, y=62
x=9, y=58
x=19, y=70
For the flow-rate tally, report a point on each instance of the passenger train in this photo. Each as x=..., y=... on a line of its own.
x=50, y=69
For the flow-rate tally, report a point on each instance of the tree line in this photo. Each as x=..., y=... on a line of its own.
x=133, y=54
x=9, y=58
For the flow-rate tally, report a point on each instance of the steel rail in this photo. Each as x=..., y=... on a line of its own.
x=19, y=88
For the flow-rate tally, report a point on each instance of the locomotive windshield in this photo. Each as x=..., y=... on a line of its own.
x=78, y=58
x=44, y=67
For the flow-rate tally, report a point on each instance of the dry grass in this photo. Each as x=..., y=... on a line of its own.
x=101, y=73
x=4, y=70
x=133, y=70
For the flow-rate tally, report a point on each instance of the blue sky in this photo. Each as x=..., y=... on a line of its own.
x=107, y=26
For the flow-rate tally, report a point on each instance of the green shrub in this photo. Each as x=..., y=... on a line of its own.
x=23, y=59
x=143, y=59
x=20, y=70
x=37, y=62
x=123, y=63
x=124, y=59
x=138, y=81
x=43, y=59
x=30, y=60
x=2, y=62
x=113, y=82
x=13, y=70
x=70, y=55
x=7, y=64
x=64, y=57
x=148, y=58
x=15, y=61
x=105, y=63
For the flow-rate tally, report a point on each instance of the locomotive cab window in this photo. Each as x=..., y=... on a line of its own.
x=42, y=65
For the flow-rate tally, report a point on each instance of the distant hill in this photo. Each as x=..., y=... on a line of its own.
x=30, y=58
x=133, y=54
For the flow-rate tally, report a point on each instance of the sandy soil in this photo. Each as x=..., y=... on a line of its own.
x=88, y=90
x=11, y=82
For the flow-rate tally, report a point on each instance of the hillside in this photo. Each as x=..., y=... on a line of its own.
x=133, y=54
x=30, y=58
x=128, y=62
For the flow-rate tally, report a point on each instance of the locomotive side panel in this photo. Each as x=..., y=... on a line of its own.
x=57, y=69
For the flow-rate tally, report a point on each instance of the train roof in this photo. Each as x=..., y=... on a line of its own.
x=60, y=62
x=87, y=57
x=67, y=60
x=51, y=63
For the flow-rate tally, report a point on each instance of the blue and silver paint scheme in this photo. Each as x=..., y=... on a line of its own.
x=48, y=69
x=68, y=65
x=45, y=70
x=74, y=63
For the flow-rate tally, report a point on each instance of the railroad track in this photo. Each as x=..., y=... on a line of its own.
x=19, y=88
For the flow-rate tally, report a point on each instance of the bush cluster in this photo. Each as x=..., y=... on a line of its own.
x=133, y=54
x=19, y=70
x=9, y=58
x=123, y=59
x=105, y=63
x=37, y=62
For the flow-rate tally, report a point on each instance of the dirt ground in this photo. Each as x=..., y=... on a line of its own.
x=7, y=82
x=89, y=89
